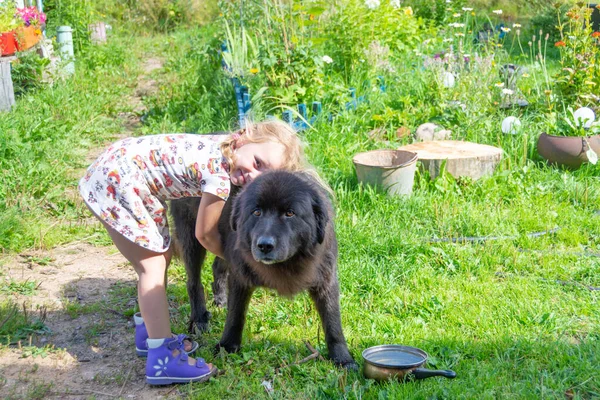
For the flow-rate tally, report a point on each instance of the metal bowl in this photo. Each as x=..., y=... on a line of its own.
x=392, y=361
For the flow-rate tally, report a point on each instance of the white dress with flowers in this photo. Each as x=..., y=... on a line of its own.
x=129, y=184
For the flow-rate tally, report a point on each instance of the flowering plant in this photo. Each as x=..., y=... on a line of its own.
x=578, y=81
x=31, y=16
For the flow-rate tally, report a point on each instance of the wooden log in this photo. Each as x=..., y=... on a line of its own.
x=7, y=93
x=462, y=158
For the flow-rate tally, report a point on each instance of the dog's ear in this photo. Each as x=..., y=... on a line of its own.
x=321, y=216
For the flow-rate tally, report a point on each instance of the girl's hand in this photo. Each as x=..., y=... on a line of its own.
x=207, y=223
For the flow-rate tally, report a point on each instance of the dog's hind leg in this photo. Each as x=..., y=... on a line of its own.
x=192, y=255
x=219, y=285
x=327, y=301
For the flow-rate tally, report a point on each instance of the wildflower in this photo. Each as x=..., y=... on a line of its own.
x=254, y=70
x=311, y=17
x=395, y=3
x=504, y=29
x=459, y=34
x=448, y=40
x=547, y=92
x=596, y=34
x=457, y=25
x=507, y=92
x=560, y=43
x=516, y=25
x=499, y=84
x=456, y=15
x=525, y=75
x=327, y=59
x=498, y=12
x=448, y=1
x=499, y=45
x=372, y=4
x=408, y=11
x=467, y=9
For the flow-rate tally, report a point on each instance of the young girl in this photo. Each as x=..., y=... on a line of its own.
x=127, y=188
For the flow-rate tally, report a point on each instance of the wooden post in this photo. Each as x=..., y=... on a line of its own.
x=7, y=92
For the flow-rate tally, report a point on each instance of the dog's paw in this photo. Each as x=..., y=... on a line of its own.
x=221, y=300
x=349, y=365
x=201, y=326
x=229, y=348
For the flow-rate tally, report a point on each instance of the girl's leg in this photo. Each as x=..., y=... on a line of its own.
x=151, y=268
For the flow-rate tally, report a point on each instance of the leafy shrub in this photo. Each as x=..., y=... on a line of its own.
x=77, y=14
x=27, y=72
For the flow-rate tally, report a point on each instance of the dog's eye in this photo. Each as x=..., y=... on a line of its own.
x=289, y=213
x=257, y=213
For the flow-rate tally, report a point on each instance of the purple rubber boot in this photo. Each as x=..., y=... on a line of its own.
x=163, y=368
x=141, y=335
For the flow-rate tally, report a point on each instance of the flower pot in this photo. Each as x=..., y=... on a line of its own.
x=567, y=151
x=8, y=43
x=390, y=170
x=27, y=37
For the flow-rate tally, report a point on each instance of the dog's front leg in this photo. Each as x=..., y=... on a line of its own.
x=327, y=301
x=237, y=306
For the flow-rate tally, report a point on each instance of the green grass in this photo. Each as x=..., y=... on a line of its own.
x=512, y=317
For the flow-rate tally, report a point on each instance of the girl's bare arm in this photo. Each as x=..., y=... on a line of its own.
x=207, y=223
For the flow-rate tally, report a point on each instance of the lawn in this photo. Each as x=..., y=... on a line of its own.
x=516, y=316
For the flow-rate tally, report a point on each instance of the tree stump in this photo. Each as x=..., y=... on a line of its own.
x=462, y=158
x=7, y=93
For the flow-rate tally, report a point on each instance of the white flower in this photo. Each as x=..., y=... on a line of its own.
x=497, y=12
x=448, y=40
x=507, y=92
x=466, y=55
x=499, y=84
x=327, y=59
x=456, y=15
x=161, y=367
x=372, y=4
x=395, y=3
x=459, y=34
x=504, y=29
x=457, y=25
x=516, y=25
x=448, y=1
x=467, y=9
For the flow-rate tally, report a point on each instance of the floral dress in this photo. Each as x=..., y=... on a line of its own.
x=128, y=185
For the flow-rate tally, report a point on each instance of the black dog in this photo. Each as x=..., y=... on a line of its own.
x=277, y=233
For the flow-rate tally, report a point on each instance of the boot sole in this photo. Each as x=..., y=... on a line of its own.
x=157, y=380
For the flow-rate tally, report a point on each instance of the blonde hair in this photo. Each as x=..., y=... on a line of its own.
x=277, y=131
x=268, y=131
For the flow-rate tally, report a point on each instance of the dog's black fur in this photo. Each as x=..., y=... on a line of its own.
x=277, y=233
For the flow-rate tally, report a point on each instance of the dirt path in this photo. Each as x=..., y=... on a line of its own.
x=88, y=351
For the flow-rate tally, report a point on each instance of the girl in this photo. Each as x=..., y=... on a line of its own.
x=127, y=188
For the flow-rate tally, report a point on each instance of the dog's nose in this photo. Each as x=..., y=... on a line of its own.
x=266, y=244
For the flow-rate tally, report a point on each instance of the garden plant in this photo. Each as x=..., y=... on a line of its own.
x=496, y=279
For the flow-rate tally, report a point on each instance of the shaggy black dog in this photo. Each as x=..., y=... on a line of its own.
x=277, y=233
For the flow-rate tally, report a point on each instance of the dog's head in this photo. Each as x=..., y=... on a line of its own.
x=279, y=216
